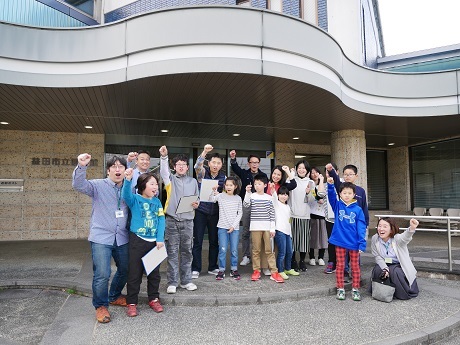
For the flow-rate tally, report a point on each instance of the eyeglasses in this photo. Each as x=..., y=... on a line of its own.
x=117, y=166
x=348, y=175
x=254, y=162
x=181, y=165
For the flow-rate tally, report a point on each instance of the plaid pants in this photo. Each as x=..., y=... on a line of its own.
x=340, y=267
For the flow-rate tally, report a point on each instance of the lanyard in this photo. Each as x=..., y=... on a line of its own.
x=387, y=245
x=118, y=193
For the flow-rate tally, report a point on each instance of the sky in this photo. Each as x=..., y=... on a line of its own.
x=411, y=25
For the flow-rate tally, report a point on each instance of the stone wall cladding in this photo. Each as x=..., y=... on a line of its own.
x=48, y=208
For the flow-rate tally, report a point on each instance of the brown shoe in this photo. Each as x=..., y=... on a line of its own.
x=156, y=305
x=102, y=315
x=120, y=301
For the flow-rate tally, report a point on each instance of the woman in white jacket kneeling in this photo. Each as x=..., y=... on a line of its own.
x=389, y=248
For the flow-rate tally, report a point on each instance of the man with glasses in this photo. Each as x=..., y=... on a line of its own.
x=247, y=178
x=179, y=227
x=108, y=234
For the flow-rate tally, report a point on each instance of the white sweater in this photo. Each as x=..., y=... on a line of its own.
x=298, y=200
x=282, y=215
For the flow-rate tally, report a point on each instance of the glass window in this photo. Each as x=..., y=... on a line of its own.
x=34, y=13
x=377, y=181
x=86, y=6
x=435, y=170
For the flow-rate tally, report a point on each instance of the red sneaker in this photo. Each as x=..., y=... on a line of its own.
x=156, y=305
x=255, y=276
x=120, y=301
x=277, y=278
x=131, y=310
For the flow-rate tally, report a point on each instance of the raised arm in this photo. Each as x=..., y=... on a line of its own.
x=199, y=168
x=332, y=173
x=235, y=167
x=126, y=192
x=332, y=194
x=164, y=166
x=79, y=181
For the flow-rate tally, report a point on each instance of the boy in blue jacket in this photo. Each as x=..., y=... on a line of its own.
x=348, y=234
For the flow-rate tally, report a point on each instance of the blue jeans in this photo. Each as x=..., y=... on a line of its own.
x=224, y=239
x=102, y=255
x=284, y=244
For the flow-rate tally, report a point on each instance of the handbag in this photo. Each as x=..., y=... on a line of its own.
x=382, y=290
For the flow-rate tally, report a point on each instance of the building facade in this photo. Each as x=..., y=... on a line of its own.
x=244, y=76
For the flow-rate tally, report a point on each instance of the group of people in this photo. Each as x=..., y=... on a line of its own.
x=293, y=208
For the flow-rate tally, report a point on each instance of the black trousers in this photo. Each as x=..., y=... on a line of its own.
x=330, y=247
x=137, y=249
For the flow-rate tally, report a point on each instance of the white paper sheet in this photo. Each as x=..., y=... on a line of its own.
x=185, y=204
x=206, y=189
x=153, y=258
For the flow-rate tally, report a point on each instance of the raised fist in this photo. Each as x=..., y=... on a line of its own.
x=129, y=174
x=329, y=167
x=163, y=151
x=413, y=223
x=232, y=154
x=208, y=148
x=286, y=169
x=83, y=159
x=132, y=156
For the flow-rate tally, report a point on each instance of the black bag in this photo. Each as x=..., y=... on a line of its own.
x=382, y=290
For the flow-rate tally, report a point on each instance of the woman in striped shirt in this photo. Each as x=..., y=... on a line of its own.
x=230, y=212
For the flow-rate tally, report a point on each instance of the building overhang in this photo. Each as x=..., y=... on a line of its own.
x=210, y=72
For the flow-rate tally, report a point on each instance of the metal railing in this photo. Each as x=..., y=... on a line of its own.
x=449, y=229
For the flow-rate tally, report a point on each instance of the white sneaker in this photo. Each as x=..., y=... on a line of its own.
x=212, y=272
x=267, y=272
x=171, y=289
x=189, y=287
x=312, y=262
x=245, y=261
x=195, y=274
x=321, y=262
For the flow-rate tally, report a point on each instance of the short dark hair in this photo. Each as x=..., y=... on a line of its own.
x=253, y=156
x=216, y=155
x=261, y=177
x=144, y=152
x=306, y=165
x=351, y=167
x=111, y=161
x=344, y=185
x=237, y=182
x=283, y=190
x=394, y=228
x=318, y=170
x=180, y=157
x=142, y=181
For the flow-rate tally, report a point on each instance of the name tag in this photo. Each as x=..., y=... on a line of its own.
x=388, y=260
x=119, y=214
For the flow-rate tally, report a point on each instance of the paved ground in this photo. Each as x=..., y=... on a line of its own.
x=44, y=310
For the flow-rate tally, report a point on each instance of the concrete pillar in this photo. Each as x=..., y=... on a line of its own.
x=399, y=180
x=349, y=147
